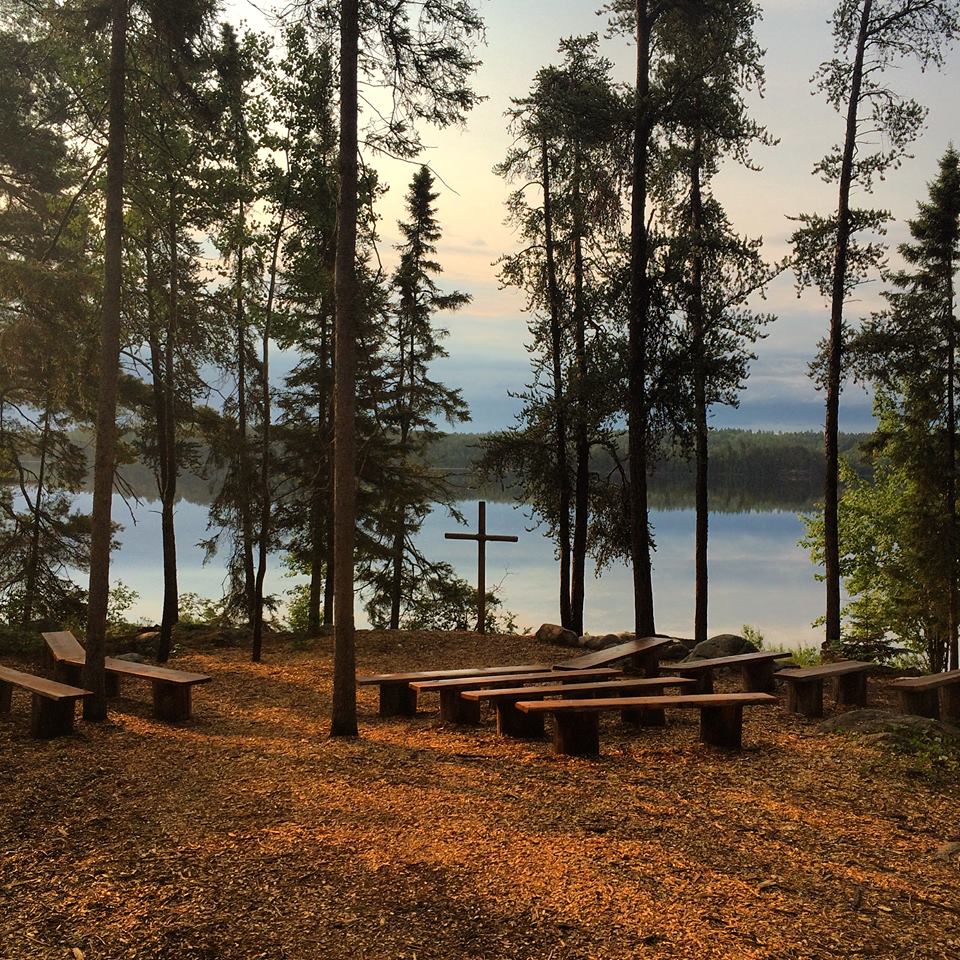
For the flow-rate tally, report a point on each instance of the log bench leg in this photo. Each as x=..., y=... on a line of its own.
x=920, y=703
x=454, y=709
x=758, y=677
x=68, y=673
x=172, y=701
x=805, y=697
x=397, y=700
x=6, y=697
x=512, y=722
x=704, y=680
x=851, y=689
x=722, y=726
x=647, y=664
x=50, y=718
x=576, y=734
x=112, y=684
x=950, y=703
x=644, y=717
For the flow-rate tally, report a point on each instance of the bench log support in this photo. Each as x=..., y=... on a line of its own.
x=921, y=703
x=651, y=717
x=397, y=699
x=66, y=672
x=950, y=703
x=172, y=702
x=758, y=676
x=576, y=734
x=512, y=722
x=6, y=697
x=647, y=664
x=50, y=718
x=722, y=726
x=454, y=709
x=805, y=697
x=704, y=680
x=851, y=689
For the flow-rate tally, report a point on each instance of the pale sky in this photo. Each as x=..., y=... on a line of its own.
x=486, y=344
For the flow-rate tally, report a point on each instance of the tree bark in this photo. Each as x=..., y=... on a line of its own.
x=93, y=676
x=581, y=441
x=265, y=499
x=344, y=713
x=831, y=484
x=167, y=447
x=953, y=659
x=560, y=421
x=33, y=558
x=637, y=401
x=697, y=324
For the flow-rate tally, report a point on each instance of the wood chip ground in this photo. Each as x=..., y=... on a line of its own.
x=247, y=834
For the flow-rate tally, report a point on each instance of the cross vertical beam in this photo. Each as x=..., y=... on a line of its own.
x=482, y=538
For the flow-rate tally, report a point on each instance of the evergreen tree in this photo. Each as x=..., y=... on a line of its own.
x=871, y=37
x=414, y=400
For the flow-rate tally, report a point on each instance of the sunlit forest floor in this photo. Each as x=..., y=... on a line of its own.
x=247, y=833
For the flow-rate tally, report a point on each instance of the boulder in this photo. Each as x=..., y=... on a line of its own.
x=553, y=633
x=902, y=731
x=132, y=658
x=675, y=650
x=722, y=645
x=592, y=642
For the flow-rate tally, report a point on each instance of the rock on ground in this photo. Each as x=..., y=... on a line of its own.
x=554, y=633
x=722, y=645
x=902, y=731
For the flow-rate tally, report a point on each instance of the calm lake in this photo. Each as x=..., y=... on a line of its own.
x=758, y=574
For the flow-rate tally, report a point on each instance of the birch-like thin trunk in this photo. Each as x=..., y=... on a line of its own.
x=560, y=412
x=101, y=531
x=831, y=430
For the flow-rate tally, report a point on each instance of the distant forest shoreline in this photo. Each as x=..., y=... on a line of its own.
x=749, y=471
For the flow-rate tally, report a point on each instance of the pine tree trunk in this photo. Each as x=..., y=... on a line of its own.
x=637, y=401
x=700, y=394
x=33, y=557
x=265, y=498
x=953, y=661
x=93, y=677
x=167, y=451
x=831, y=485
x=560, y=415
x=581, y=441
x=344, y=714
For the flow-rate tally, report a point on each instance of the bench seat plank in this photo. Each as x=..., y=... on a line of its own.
x=643, y=651
x=577, y=729
x=755, y=668
x=52, y=706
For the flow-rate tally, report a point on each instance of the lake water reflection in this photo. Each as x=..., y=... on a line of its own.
x=758, y=573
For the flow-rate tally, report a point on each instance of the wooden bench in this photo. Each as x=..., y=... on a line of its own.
x=805, y=685
x=755, y=668
x=399, y=699
x=454, y=709
x=53, y=703
x=576, y=723
x=642, y=653
x=511, y=722
x=172, y=689
x=936, y=696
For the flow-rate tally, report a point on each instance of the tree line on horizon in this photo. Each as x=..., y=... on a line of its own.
x=177, y=196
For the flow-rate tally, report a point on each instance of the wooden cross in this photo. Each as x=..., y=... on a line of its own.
x=482, y=538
